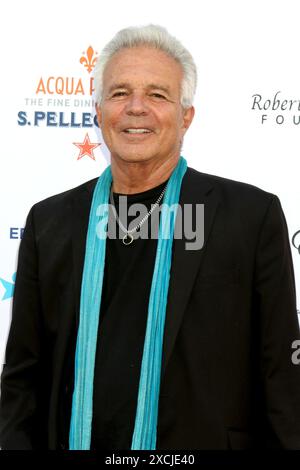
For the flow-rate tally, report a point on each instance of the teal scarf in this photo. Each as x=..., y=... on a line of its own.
x=144, y=435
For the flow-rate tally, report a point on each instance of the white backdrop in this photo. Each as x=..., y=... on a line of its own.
x=247, y=53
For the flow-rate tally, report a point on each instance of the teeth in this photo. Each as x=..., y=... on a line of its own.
x=137, y=131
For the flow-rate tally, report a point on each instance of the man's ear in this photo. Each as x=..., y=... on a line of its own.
x=188, y=115
x=99, y=115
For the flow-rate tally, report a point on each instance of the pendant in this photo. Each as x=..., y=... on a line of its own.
x=127, y=237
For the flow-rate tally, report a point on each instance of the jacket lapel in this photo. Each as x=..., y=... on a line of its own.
x=80, y=217
x=195, y=189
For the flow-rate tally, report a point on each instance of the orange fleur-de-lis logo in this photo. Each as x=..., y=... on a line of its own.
x=89, y=59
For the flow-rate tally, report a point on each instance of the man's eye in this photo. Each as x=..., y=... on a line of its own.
x=119, y=93
x=158, y=95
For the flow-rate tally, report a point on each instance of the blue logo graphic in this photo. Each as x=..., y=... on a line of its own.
x=9, y=287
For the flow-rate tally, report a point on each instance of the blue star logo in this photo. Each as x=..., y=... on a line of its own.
x=9, y=287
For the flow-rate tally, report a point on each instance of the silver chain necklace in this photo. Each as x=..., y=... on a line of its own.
x=128, y=238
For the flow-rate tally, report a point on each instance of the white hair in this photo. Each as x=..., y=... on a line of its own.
x=152, y=36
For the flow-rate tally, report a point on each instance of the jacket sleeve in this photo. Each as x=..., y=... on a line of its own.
x=279, y=328
x=18, y=401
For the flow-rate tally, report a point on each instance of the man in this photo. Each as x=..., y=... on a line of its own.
x=192, y=347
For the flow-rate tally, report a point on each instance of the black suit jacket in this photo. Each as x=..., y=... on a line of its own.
x=227, y=379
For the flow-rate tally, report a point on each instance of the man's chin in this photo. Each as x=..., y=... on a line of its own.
x=133, y=157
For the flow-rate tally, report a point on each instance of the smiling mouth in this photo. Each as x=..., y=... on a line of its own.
x=140, y=130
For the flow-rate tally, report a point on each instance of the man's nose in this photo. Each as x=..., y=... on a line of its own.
x=136, y=104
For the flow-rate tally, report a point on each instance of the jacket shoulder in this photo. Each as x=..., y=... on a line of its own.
x=64, y=198
x=230, y=189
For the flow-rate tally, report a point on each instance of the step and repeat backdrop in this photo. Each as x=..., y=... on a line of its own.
x=247, y=104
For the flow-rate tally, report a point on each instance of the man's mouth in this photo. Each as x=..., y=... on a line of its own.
x=140, y=130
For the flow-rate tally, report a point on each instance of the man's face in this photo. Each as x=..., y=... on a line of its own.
x=141, y=90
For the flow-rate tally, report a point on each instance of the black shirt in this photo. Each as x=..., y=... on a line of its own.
x=121, y=333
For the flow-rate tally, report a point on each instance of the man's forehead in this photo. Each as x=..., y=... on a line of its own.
x=129, y=85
